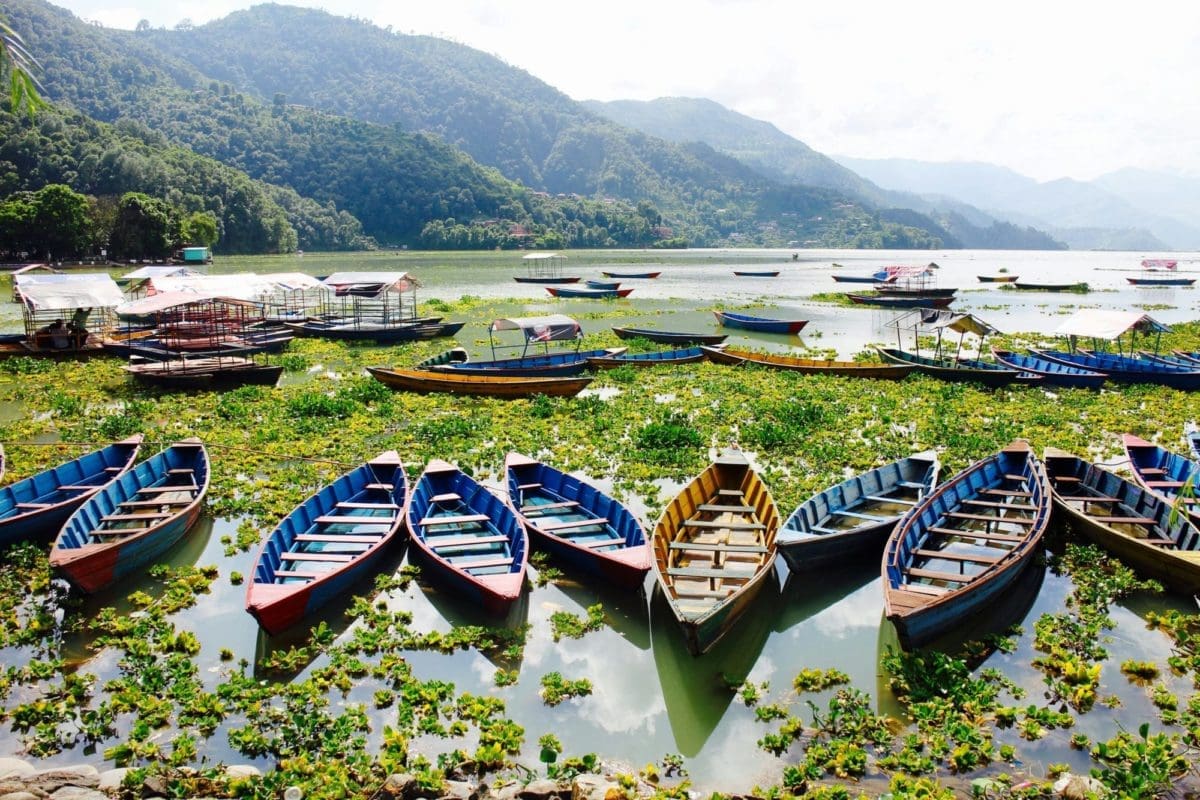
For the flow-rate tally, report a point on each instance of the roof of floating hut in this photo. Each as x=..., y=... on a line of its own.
x=241, y=286
x=552, y=328
x=941, y=319
x=1098, y=323
x=165, y=301
x=541, y=256
x=364, y=283
x=159, y=271
x=81, y=291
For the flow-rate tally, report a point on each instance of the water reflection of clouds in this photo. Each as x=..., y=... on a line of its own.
x=859, y=610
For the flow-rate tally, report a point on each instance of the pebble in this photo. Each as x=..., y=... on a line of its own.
x=15, y=768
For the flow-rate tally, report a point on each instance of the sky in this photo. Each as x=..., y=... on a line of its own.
x=1051, y=89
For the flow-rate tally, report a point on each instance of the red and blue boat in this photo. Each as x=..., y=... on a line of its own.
x=36, y=507
x=594, y=294
x=577, y=523
x=328, y=543
x=1165, y=473
x=632, y=275
x=1123, y=369
x=134, y=520
x=747, y=322
x=468, y=538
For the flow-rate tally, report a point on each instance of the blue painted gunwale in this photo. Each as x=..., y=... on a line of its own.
x=872, y=502
x=36, y=507
x=595, y=284
x=731, y=319
x=371, y=498
x=502, y=554
x=683, y=355
x=615, y=550
x=551, y=365
x=1052, y=372
x=1191, y=435
x=92, y=553
x=974, y=371
x=1163, y=472
x=921, y=610
x=1127, y=370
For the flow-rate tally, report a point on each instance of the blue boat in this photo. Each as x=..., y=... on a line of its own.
x=577, y=523
x=595, y=284
x=133, y=520
x=328, y=543
x=955, y=371
x=632, y=275
x=874, y=277
x=469, y=538
x=1165, y=473
x=669, y=337
x=961, y=548
x=1124, y=369
x=747, y=322
x=1191, y=435
x=549, y=365
x=595, y=294
x=1052, y=372
x=683, y=355
x=36, y=507
x=851, y=521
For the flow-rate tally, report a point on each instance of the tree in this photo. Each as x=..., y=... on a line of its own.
x=146, y=227
x=60, y=219
x=19, y=64
x=201, y=228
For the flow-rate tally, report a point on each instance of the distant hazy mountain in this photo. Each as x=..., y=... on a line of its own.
x=1158, y=192
x=1088, y=215
x=781, y=157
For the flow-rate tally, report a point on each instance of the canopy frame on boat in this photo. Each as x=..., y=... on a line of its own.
x=203, y=324
x=66, y=311
x=544, y=265
x=535, y=331
x=1105, y=326
x=368, y=299
x=939, y=320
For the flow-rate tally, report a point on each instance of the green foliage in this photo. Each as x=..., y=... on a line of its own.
x=556, y=688
x=1141, y=766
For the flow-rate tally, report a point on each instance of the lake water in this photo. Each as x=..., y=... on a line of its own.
x=650, y=696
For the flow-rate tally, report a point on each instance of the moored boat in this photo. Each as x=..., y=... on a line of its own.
x=596, y=284
x=898, y=301
x=956, y=371
x=874, y=277
x=1123, y=369
x=358, y=331
x=547, y=365
x=756, y=273
x=470, y=539
x=852, y=520
x=965, y=544
x=997, y=278
x=133, y=520
x=594, y=294
x=327, y=543
x=36, y=507
x=682, y=355
x=854, y=369
x=714, y=548
x=631, y=275
x=543, y=280
x=748, y=322
x=1137, y=526
x=1165, y=473
x=1079, y=286
x=577, y=523
x=1052, y=372
x=1161, y=281
x=1191, y=435
x=218, y=372
x=424, y=381
x=669, y=337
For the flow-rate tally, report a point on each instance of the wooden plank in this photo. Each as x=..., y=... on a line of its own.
x=989, y=518
x=387, y=487
x=437, y=542
x=1066, y=479
x=1085, y=499
x=73, y=487
x=549, y=506
x=934, y=575
x=1126, y=520
x=731, y=526
x=912, y=485
x=1164, y=484
x=708, y=572
x=486, y=562
x=856, y=515
x=730, y=493
x=1006, y=493
x=152, y=503
x=718, y=547
x=369, y=506
x=180, y=471
x=992, y=504
x=608, y=541
x=458, y=519
x=448, y=497
x=339, y=537
x=524, y=487
x=924, y=588
x=723, y=509
x=884, y=499
x=352, y=520
x=32, y=506
x=113, y=469
x=578, y=523
x=190, y=488
x=339, y=557
x=1153, y=471
x=983, y=535
x=957, y=557
x=134, y=517
x=688, y=591
x=287, y=573
x=1011, y=477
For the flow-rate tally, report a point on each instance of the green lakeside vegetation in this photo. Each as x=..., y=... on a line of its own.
x=273, y=446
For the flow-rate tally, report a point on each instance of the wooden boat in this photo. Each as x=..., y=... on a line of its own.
x=965, y=544
x=549, y=365
x=577, y=523
x=1123, y=369
x=683, y=355
x=714, y=548
x=595, y=284
x=506, y=386
x=546, y=279
x=747, y=322
x=469, y=538
x=912, y=290
x=874, y=277
x=1191, y=435
x=37, y=506
x=890, y=301
x=734, y=356
x=328, y=543
x=205, y=373
x=669, y=337
x=1164, y=473
x=1080, y=286
x=350, y=331
x=757, y=273
x=1137, y=526
x=632, y=275
x=594, y=294
x=133, y=520
x=998, y=278
x=455, y=355
x=851, y=521
x=1161, y=281
x=947, y=369
x=1052, y=372
x=1193, y=358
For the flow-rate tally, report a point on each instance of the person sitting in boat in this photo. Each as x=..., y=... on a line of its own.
x=77, y=328
x=55, y=335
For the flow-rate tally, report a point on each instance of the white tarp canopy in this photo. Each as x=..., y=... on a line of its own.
x=164, y=301
x=161, y=271
x=1098, y=323
x=82, y=291
x=540, y=256
x=291, y=281
x=356, y=282
x=940, y=319
x=23, y=279
x=552, y=328
x=240, y=286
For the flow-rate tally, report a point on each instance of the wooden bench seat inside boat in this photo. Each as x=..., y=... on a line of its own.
x=989, y=518
x=181, y=471
x=994, y=504
x=457, y=519
x=552, y=525
x=696, y=591
x=969, y=534
x=153, y=503
x=386, y=487
x=76, y=487
x=1018, y=478
x=33, y=506
x=548, y=506
x=315, y=557
x=285, y=573
x=969, y=559
x=719, y=525
x=135, y=517
x=934, y=575
x=724, y=509
x=1086, y=499
x=710, y=572
x=884, y=499
x=524, y=487
x=857, y=515
x=484, y=562
x=1007, y=493
x=1153, y=471
x=368, y=506
x=912, y=485
x=607, y=541
x=338, y=538
x=1164, y=484
x=448, y=497
x=187, y=487
x=1127, y=520
x=718, y=547
x=438, y=542
x=347, y=519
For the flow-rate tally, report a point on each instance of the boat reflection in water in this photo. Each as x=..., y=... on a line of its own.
x=696, y=689
x=625, y=611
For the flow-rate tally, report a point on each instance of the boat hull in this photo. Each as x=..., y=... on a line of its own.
x=545, y=281
x=669, y=337
x=889, y=301
x=1053, y=373
x=686, y=355
x=502, y=386
x=760, y=324
x=947, y=371
x=632, y=275
x=997, y=278
x=1162, y=472
x=1161, y=281
x=849, y=369
x=1128, y=370
x=594, y=294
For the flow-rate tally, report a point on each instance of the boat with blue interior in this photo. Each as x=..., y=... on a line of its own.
x=536, y=333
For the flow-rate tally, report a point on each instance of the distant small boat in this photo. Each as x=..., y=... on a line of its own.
x=683, y=355
x=851, y=520
x=1138, y=527
x=632, y=275
x=669, y=337
x=901, y=301
x=1079, y=286
x=766, y=273
x=133, y=520
x=343, y=330
x=874, y=277
x=1161, y=281
x=425, y=381
x=577, y=523
x=1164, y=473
x=913, y=290
x=546, y=280
x=595, y=284
x=37, y=506
x=998, y=278
x=1053, y=373
x=327, y=543
x=747, y=322
x=469, y=538
x=594, y=294
x=854, y=369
